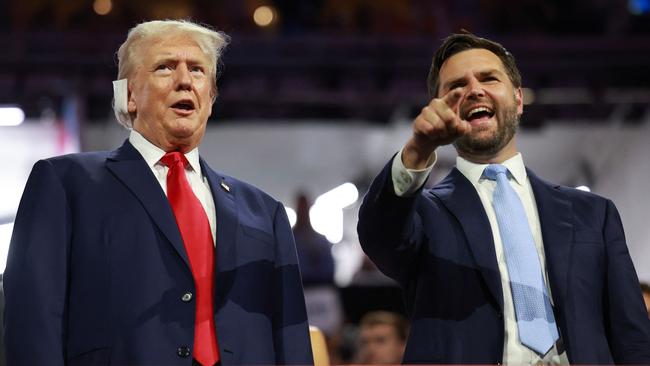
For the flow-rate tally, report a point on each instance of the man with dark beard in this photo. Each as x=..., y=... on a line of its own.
x=497, y=265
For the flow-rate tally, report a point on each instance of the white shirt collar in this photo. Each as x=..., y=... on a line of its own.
x=474, y=172
x=152, y=153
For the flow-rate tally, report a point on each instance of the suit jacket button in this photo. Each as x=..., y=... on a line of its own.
x=183, y=351
x=187, y=297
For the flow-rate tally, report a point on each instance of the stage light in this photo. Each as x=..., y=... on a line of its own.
x=639, y=7
x=102, y=7
x=264, y=16
x=11, y=116
x=341, y=196
x=326, y=215
x=291, y=214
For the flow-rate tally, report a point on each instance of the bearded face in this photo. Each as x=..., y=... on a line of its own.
x=487, y=141
x=489, y=103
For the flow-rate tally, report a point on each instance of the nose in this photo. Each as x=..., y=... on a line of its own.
x=475, y=88
x=183, y=78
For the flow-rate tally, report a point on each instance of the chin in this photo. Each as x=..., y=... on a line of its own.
x=183, y=129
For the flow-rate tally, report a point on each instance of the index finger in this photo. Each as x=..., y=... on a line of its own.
x=452, y=98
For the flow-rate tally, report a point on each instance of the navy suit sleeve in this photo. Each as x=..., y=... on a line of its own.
x=290, y=328
x=35, y=280
x=627, y=320
x=390, y=231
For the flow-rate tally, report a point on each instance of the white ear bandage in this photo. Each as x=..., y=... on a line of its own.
x=120, y=101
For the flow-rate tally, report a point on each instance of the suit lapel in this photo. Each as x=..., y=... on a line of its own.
x=461, y=198
x=129, y=167
x=223, y=193
x=555, y=217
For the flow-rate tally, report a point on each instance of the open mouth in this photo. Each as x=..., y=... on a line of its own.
x=478, y=113
x=184, y=105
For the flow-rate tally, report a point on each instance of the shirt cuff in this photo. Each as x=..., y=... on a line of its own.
x=408, y=181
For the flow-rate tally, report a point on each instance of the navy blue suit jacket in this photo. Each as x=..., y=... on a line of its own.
x=97, y=269
x=438, y=245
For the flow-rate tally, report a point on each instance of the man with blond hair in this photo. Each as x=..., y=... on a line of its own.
x=145, y=255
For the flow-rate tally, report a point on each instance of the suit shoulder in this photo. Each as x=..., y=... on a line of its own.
x=78, y=159
x=76, y=166
x=587, y=202
x=580, y=195
x=573, y=194
x=76, y=163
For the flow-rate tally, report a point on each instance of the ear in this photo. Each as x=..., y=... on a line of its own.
x=214, y=93
x=519, y=99
x=131, y=105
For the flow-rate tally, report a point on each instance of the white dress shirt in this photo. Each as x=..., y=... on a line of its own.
x=200, y=186
x=407, y=181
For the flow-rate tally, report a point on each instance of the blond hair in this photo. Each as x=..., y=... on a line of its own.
x=211, y=42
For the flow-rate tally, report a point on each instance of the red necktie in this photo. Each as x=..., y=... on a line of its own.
x=197, y=237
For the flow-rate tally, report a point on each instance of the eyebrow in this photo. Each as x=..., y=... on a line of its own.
x=167, y=57
x=491, y=72
x=482, y=73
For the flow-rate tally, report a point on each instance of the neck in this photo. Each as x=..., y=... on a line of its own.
x=499, y=157
x=163, y=143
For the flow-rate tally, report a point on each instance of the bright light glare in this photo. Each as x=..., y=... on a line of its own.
x=11, y=116
x=5, y=238
x=291, y=214
x=341, y=196
x=263, y=16
x=326, y=215
x=584, y=188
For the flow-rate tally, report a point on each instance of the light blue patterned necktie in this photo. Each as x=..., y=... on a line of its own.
x=535, y=320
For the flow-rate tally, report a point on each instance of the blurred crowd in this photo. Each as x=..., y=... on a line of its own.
x=356, y=17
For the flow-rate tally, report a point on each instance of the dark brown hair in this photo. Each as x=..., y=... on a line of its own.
x=456, y=43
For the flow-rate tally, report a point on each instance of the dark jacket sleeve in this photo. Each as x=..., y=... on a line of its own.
x=290, y=327
x=35, y=280
x=627, y=321
x=390, y=230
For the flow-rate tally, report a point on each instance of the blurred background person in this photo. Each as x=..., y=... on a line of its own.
x=382, y=338
x=314, y=250
x=317, y=270
x=369, y=275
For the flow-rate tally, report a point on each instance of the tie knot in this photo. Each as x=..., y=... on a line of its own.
x=493, y=170
x=174, y=158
